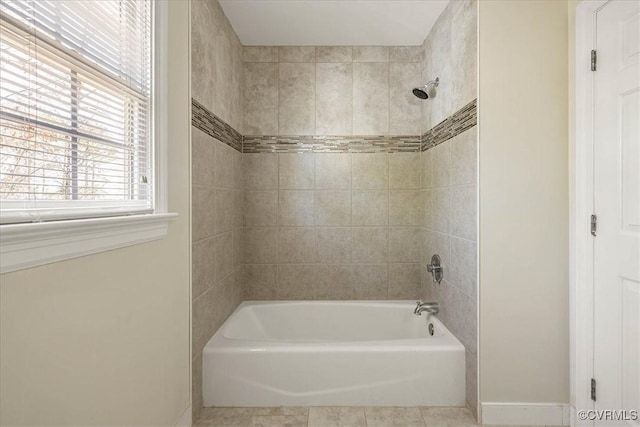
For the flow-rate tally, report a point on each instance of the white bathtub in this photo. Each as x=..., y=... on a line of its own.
x=351, y=353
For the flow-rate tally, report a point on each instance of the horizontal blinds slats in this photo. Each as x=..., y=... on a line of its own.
x=75, y=109
x=82, y=27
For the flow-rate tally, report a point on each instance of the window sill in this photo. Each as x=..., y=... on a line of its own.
x=29, y=245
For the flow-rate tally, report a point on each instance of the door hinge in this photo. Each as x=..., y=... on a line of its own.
x=594, y=224
x=593, y=389
x=594, y=60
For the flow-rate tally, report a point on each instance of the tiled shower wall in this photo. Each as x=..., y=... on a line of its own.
x=449, y=183
x=331, y=90
x=216, y=74
x=332, y=225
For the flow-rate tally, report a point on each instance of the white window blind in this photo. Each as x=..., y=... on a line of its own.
x=75, y=109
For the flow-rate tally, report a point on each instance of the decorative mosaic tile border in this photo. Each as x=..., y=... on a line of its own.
x=458, y=122
x=331, y=144
x=463, y=119
x=214, y=126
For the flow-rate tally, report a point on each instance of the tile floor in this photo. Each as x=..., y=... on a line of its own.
x=335, y=417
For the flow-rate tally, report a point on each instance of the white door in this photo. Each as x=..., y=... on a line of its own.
x=617, y=205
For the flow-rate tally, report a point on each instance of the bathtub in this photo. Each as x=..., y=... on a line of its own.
x=346, y=353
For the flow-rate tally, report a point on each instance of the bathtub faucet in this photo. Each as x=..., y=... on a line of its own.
x=429, y=307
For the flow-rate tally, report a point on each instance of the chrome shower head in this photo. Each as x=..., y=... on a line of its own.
x=428, y=90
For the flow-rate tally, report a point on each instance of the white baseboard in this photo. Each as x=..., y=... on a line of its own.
x=531, y=414
x=185, y=419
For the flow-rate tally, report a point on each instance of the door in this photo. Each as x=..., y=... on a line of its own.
x=617, y=205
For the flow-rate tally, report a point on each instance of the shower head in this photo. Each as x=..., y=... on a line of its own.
x=428, y=90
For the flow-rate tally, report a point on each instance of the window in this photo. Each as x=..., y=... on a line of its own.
x=75, y=109
x=81, y=85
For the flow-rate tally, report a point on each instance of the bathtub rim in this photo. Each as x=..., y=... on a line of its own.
x=219, y=343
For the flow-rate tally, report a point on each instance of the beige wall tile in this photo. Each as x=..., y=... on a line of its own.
x=334, y=54
x=333, y=171
x=370, y=54
x=296, y=208
x=370, y=98
x=196, y=387
x=464, y=56
x=203, y=53
x=334, y=245
x=464, y=211
x=405, y=54
x=260, y=54
x=202, y=266
x=259, y=281
x=297, y=53
x=404, y=170
x=405, y=110
x=471, y=372
x=404, y=281
x=332, y=208
x=405, y=244
x=441, y=163
x=207, y=317
x=440, y=209
x=203, y=205
x=427, y=168
x=370, y=281
x=370, y=171
x=370, y=207
x=296, y=281
x=464, y=158
x=334, y=282
x=405, y=207
x=260, y=208
x=237, y=248
x=425, y=246
x=297, y=245
x=223, y=256
x=226, y=211
x=202, y=158
x=427, y=214
x=260, y=245
x=260, y=171
x=296, y=87
x=223, y=73
x=238, y=207
x=370, y=245
x=334, y=99
x=463, y=266
x=224, y=173
x=260, y=95
x=296, y=171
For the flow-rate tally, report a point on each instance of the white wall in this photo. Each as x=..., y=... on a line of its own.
x=104, y=339
x=524, y=207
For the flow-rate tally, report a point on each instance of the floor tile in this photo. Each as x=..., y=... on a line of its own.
x=337, y=417
x=280, y=421
x=448, y=417
x=394, y=417
x=224, y=417
x=282, y=410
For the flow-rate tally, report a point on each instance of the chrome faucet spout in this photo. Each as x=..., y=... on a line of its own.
x=429, y=307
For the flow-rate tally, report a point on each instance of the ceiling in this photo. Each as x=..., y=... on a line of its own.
x=332, y=22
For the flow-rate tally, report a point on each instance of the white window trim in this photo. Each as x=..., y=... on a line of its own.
x=29, y=245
